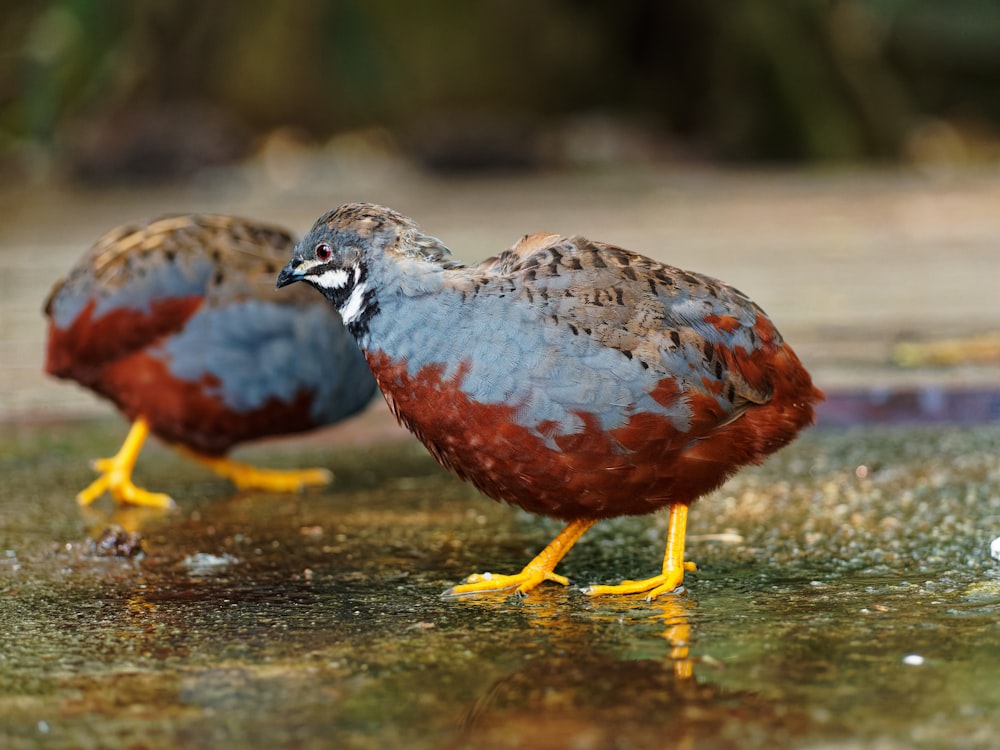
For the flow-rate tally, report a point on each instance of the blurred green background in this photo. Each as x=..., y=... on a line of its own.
x=117, y=90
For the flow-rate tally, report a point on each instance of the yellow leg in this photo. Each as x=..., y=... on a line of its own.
x=673, y=563
x=248, y=477
x=538, y=570
x=116, y=474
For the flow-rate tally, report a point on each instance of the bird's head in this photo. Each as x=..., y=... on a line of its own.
x=348, y=251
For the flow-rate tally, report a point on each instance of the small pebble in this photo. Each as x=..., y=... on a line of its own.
x=115, y=541
x=913, y=660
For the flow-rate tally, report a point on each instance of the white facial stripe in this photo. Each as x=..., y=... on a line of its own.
x=335, y=278
x=351, y=309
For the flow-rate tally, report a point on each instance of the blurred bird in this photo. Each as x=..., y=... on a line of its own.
x=569, y=377
x=178, y=324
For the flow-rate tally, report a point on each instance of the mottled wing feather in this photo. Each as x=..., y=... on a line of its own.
x=161, y=273
x=246, y=257
x=683, y=325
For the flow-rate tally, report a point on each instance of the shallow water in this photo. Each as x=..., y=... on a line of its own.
x=845, y=598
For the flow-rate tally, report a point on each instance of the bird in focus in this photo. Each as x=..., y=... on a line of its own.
x=568, y=377
x=177, y=323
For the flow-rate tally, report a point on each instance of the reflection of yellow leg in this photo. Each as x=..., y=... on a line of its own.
x=673, y=563
x=678, y=634
x=538, y=570
x=248, y=477
x=116, y=474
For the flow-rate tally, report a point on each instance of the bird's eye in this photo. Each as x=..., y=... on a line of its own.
x=324, y=251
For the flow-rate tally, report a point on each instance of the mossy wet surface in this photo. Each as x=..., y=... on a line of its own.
x=317, y=620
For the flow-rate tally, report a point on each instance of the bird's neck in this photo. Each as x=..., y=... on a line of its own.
x=391, y=300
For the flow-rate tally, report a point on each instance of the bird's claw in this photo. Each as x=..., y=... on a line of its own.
x=115, y=482
x=279, y=480
x=248, y=477
x=522, y=583
x=665, y=583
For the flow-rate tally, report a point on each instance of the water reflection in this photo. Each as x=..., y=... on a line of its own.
x=673, y=613
x=131, y=518
x=588, y=687
x=574, y=678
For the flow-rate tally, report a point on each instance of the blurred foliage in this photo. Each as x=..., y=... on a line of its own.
x=89, y=82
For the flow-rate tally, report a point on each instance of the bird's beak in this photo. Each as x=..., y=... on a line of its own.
x=290, y=273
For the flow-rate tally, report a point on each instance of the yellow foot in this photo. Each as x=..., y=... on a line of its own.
x=523, y=582
x=538, y=570
x=248, y=477
x=652, y=587
x=116, y=474
x=116, y=481
x=280, y=480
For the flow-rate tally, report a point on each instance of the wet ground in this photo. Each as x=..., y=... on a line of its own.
x=846, y=596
